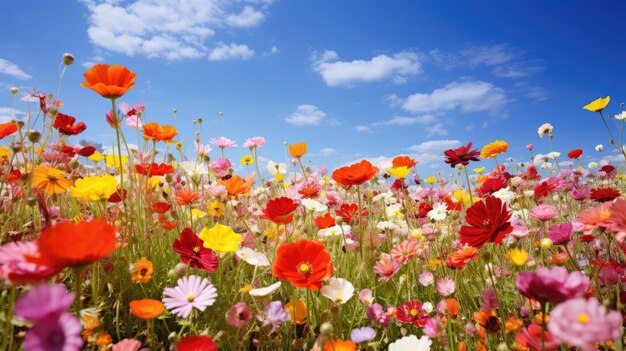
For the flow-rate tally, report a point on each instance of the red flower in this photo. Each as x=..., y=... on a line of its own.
x=423, y=208
x=609, y=170
x=65, y=125
x=324, y=221
x=604, y=194
x=543, y=189
x=412, y=312
x=355, y=174
x=279, y=210
x=348, y=212
x=488, y=222
x=118, y=196
x=186, y=196
x=491, y=185
x=461, y=155
x=196, y=343
x=192, y=252
x=7, y=129
x=161, y=207
x=575, y=154
x=461, y=257
x=154, y=169
x=405, y=161
x=86, y=151
x=304, y=263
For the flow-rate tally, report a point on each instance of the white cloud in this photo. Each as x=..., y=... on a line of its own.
x=327, y=151
x=170, y=29
x=232, y=51
x=470, y=96
x=397, y=121
x=490, y=55
x=11, y=69
x=396, y=67
x=306, y=115
x=431, y=152
x=437, y=129
x=7, y=114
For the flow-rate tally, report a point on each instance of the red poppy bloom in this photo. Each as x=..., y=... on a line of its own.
x=161, y=207
x=324, y=221
x=423, y=208
x=348, y=212
x=167, y=225
x=491, y=185
x=65, y=125
x=154, y=169
x=543, y=189
x=304, y=263
x=7, y=129
x=118, y=196
x=462, y=155
x=575, y=154
x=279, y=210
x=412, y=312
x=196, y=343
x=86, y=151
x=14, y=176
x=487, y=222
x=68, y=244
x=186, y=196
x=400, y=161
x=191, y=251
x=604, y=194
x=355, y=174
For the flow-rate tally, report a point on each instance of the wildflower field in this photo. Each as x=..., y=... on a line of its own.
x=136, y=249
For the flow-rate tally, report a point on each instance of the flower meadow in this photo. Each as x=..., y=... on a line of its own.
x=136, y=249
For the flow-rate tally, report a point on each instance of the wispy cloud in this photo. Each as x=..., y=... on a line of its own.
x=396, y=121
x=228, y=52
x=11, y=69
x=306, y=115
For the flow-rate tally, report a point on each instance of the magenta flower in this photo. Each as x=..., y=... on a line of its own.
x=127, y=345
x=15, y=269
x=191, y=292
x=583, y=323
x=254, y=142
x=543, y=212
x=221, y=166
x=55, y=332
x=560, y=234
x=42, y=301
x=432, y=328
x=238, y=315
x=579, y=193
x=223, y=142
x=377, y=314
x=552, y=285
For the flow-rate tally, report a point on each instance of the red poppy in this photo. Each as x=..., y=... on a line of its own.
x=355, y=174
x=531, y=173
x=110, y=82
x=491, y=185
x=161, y=207
x=604, y=194
x=154, y=169
x=487, y=222
x=462, y=155
x=423, y=208
x=543, y=189
x=575, y=154
x=68, y=150
x=118, y=196
x=191, y=251
x=14, y=176
x=7, y=129
x=412, y=312
x=608, y=170
x=403, y=161
x=68, y=244
x=167, y=225
x=348, y=212
x=304, y=263
x=196, y=343
x=185, y=197
x=279, y=210
x=324, y=221
x=86, y=151
x=65, y=125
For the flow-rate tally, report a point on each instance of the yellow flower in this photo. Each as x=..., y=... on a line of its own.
x=598, y=104
x=38, y=150
x=494, y=149
x=246, y=160
x=94, y=188
x=399, y=172
x=460, y=196
x=246, y=288
x=221, y=238
x=431, y=180
x=621, y=176
x=112, y=160
x=417, y=233
x=479, y=170
x=518, y=257
x=274, y=229
x=154, y=181
x=434, y=263
x=50, y=180
x=4, y=152
x=141, y=271
x=297, y=310
x=215, y=208
x=197, y=214
x=96, y=157
x=279, y=177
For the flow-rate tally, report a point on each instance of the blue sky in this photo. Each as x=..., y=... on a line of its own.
x=354, y=79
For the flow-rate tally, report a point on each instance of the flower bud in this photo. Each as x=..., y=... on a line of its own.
x=180, y=268
x=326, y=329
x=68, y=59
x=546, y=243
x=502, y=347
x=14, y=90
x=33, y=136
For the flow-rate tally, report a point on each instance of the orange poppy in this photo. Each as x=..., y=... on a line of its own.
x=403, y=161
x=355, y=174
x=452, y=306
x=146, y=308
x=68, y=244
x=297, y=150
x=235, y=185
x=157, y=132
x=297, y=310
x=340, y=345
x=7, y=129
x=461, y=257
x=110, y=82
x=304, y=264
x=185, y=197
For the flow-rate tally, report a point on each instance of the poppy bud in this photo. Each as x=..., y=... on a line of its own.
x=174, y=110
x=33, y=136
x=14, y=90
x=180, y=269
x=546, y=243
x=68, y=59
x=326, y=329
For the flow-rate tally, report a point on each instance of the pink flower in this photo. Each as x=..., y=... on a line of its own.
x=366, y=297
x=221, y=167
x=191, y=292
x=43, y=301
x=426, y=279
x=217, y=190
x=560, y=234
x=127, y=345
x=15, y=269
x=386, y=267
x=238, y=315
x=543, y=212
x=529, y=147
x=583, y=323
x=223, y=142
x=134, y=122
x=446, y=286
x=531, y=338
x=552, y=285
x=432, y=327
x=201, y=149
x=405, y=250
x=254, y=142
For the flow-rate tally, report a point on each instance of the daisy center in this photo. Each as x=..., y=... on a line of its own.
x=304, y=268
x=413, y=312
x=196, y=249
x=190, y=297
x=583, y=318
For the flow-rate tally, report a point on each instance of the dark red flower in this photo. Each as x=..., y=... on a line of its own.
x=412, y=312
x=324, y=221
x=609, y=170
x=161, y=207
x=423, y=209
x=14, y=176
x=491, y=185
x=154, y=169
x=575, y=154
x=86, y=151
x=167, y=225
x=196, y=343
x=65, y=125
x=279, y=210
x=118, y=196
x=487, y=222
x=604, y=194
x=348, y=212
x=191, y=251
x=543, y=189
x=531, y=173
x=462, y=155
x=68, y=150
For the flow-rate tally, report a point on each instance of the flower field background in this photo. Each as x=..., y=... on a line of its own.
x=143, y=250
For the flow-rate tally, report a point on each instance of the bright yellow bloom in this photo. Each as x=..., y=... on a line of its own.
x=431, y=180
x=279, y=177
x=399, y=172
x=197, y=214
x=518, y=257
x=246, y=288
x=461, y=196
x=96, y=157
x=94, y=188
x=435, y=262
x=38, y=150
x=274, y=229
x=621, y=176
x=5, y=152
x=141, y=271
x=112, y=160
x=154, y=181
x=221, y=238
x=50, y=180
x=417, y=233
x=494, y=149
x=479, y=170
x=598, y=104
x=246, y=160
x=215, y=208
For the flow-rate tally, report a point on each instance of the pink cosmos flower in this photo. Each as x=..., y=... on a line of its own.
x=134, y=122
x=386, y=267
x=552, y=285
x=254, y=142
x=584, y=323
x=223, y=142
x=405, y=250
x=432, y=327
x=446, y=286
x=191, y=292
x=543, y=212
x=15, y=269
x=221, y=166
x=57, y=331
x=560, y=234
x=42, y=301
x=238, y=315
x=426, y=279
x=127, y=345
x=202, y=149
x=617, y=218
x=217, y=190
x=531, y=338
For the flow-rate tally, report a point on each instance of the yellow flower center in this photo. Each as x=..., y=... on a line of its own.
x=196, y=249
x=413, y=312
x=190, y=298
x=304, y=268
x=583, y=318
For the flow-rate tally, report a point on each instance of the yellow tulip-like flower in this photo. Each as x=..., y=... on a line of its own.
x=460, y=196
x=94, y=188
x=479, y=170
x=598, y=104
x=518, y=257
x=297, y=150
x=279, y=177
x=112, y=160
x=5, y=152
x=50, y=180
x=96, y=157
x=197, y=214
x=494, y=149
x=399, y=172
x=246, y=160
x=221, y=238
x=431, y=180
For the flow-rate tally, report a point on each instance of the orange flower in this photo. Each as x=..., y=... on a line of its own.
x=494, y=149
x=50, y=180
x=355, y=174
x=146, y=308
x=7, y=129
x=142, y=270
x=461, y=257
x=110, y=82
x=68, y=244
x=185, y=197
x=159, y=133
x=297, y=310
x=297, y=150
x=304, y=263
x=235, y=185
x=403, y=161
x=340, y=345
